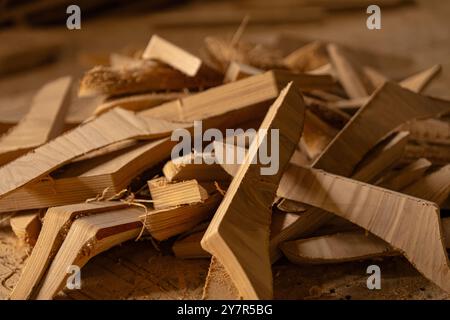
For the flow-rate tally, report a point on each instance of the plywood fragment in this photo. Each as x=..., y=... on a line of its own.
x=248, y=200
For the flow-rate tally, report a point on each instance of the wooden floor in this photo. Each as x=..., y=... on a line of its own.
x=136, y=270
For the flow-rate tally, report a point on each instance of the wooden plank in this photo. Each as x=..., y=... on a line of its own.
x=79, y=181
x=27, y=227
x=138, y=102
x=164, y=51
x=390, y=103
x=224, y=237
x=166, y=194
x=165, y=223
x=406, y=176
x=55, y=226
x=236, y=96
x=87, y=237
x=347, y=74
x=114, y=126
x=43, y=122
x=381, y=158
x=408, y=224
x=148, y=77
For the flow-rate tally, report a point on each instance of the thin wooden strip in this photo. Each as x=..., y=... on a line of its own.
x=138, y=102
x=383, y=157
x=55, y=226
x=237, y=71
x=43, y=122
x=114, y=126
x=389, y=107
x=419, y=81
x=406, y=176
x=348, y=75
x=168, y=53
x=87, y=237
x=408, y=224
x=434, y=131
x=248, y=201
x=437, y=154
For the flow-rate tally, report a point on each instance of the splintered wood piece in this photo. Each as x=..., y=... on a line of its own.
x=408, y=224
x=138, y=102
x=308, y=57
x=419, y=81
x=165, y=223
x=43, y=122
x=218, y=285
x=347, y=74
x=383, y=157
x=235, y=96
x=168, y=53
x=389, y=107
x=114, y=126
x=83, y=180
x=187, y=168
x=434, y=187
x=88, y=237
x=429, y=131
x=56, y=224
x=437, y=154
x=166, y=194
x=238, y=71
x=26, y=227
x=229, y=229
x=346, y=246
x=317, y=134
x=286, y=226
x=335, y=248
x=190, y=247
x=147, y=77
x=357, y=245
x=406, y=176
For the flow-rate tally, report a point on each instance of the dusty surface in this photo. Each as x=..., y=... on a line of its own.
x=137, y=270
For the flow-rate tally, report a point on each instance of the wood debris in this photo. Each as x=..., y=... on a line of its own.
x=362, y=164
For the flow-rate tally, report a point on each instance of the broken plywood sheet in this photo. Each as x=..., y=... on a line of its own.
x=225, y=235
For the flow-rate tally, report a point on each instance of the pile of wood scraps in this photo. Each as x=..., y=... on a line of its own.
x=351, y=143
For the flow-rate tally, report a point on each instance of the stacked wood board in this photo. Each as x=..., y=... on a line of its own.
x=345, y=140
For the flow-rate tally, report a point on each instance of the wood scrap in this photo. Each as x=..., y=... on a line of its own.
x=171, y=194
x=165, y=223
x=393, y=220
x=148, y=77
x=107, y=175
x=138, y=102
x=397, y=180
x=223, y=238
x=43, y=122
x=55, y=226
x=418, y=82
x=162, y=50
x=87, y=137
x=237, y=71
x=364, y=130
x=26, y=227
x=87, y=237
x=308, y=57
x=190, y=247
